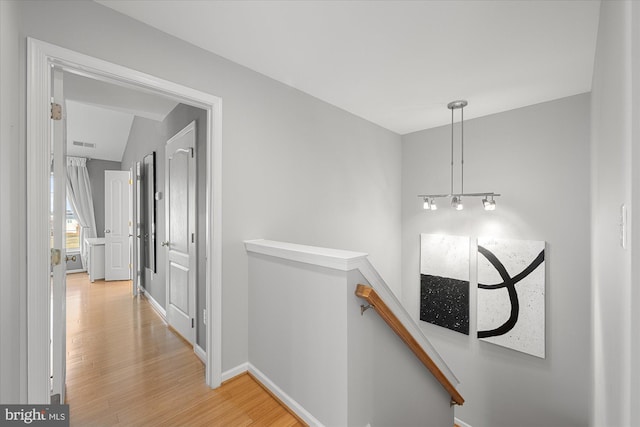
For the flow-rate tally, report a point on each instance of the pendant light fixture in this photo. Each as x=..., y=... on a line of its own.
x=429, y=200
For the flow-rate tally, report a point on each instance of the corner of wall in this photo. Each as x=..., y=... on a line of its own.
x=12, y=209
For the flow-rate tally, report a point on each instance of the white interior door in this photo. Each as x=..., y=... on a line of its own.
x=180, y=175
x=58, y=242
x=117, y=185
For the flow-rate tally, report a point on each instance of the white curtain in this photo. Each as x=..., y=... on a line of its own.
x=79, y=195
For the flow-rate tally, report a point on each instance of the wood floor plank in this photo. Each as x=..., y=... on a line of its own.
x=125, y=367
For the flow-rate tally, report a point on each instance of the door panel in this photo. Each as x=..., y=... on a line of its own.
x=116, y=222
x=179, y=202
x=180, y=232
x=179, y=282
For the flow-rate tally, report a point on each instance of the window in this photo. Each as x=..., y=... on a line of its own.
x=72, y=231
x=72, y=226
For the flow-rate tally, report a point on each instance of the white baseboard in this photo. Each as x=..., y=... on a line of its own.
x=157, y=307
x=202, y=355
x=461, y=423
x=284, y=397
x=76, y=271
x=234, y=372
x=274, y=389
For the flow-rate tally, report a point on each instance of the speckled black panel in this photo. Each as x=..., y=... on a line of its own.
x=445, y=302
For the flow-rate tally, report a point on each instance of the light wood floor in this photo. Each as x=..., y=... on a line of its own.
x=126, y=368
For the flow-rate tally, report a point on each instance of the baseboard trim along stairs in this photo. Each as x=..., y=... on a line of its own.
x=285, y=400
x=459, y=423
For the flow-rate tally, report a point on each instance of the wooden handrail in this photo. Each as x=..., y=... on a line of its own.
x=369, y=294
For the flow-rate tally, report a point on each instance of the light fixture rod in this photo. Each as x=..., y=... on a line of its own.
x=455, y=105
x=461, y=149
x=451, y=151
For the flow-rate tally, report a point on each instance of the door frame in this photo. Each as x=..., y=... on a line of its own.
x=40, y=57
x=59, y=272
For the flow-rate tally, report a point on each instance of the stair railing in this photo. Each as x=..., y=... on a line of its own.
x=369, y=294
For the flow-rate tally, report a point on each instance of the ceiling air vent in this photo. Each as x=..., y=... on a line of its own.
x=84, y=144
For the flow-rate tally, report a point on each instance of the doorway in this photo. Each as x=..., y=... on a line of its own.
x=42, y=56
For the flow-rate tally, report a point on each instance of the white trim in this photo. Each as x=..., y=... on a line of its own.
x=346, y=261
x=285, y=398
x=273, y=388
x=38, y=263
x=82, y=270
x=460, y=422
x=202, y=355
x=324, y=257
x=234, y=372
x=40, y=57
x=157, y=307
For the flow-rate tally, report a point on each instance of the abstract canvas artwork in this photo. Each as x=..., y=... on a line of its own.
x=511, y=294
x=444, y=281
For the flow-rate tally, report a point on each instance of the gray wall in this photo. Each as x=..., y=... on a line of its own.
x=615, y=101
x=634, y=376
x=538, y=158
x=96, y=170
x=13, y=287
x=147, y=136
x=287, y=300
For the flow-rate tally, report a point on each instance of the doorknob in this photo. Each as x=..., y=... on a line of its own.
x=165, y=243
x=107, y=231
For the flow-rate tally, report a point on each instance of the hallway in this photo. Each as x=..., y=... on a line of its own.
x=126, y=368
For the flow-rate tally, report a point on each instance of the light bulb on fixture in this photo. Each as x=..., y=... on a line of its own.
x=426, y=205
x=456, y=203
x=434, y=207
x=489, y=205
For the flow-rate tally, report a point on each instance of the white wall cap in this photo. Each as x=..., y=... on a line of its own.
x=324, y=257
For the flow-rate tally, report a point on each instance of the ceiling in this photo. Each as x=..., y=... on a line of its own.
x=107, y=129
x=102, y=113
x=397, y=63
x=108, y=95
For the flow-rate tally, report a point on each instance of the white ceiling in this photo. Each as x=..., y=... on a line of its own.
x=102, y=114
x=107, y=95
x=106, y=128
x=397, y=63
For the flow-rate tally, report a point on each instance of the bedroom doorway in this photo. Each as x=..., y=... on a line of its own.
x=42, y=58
